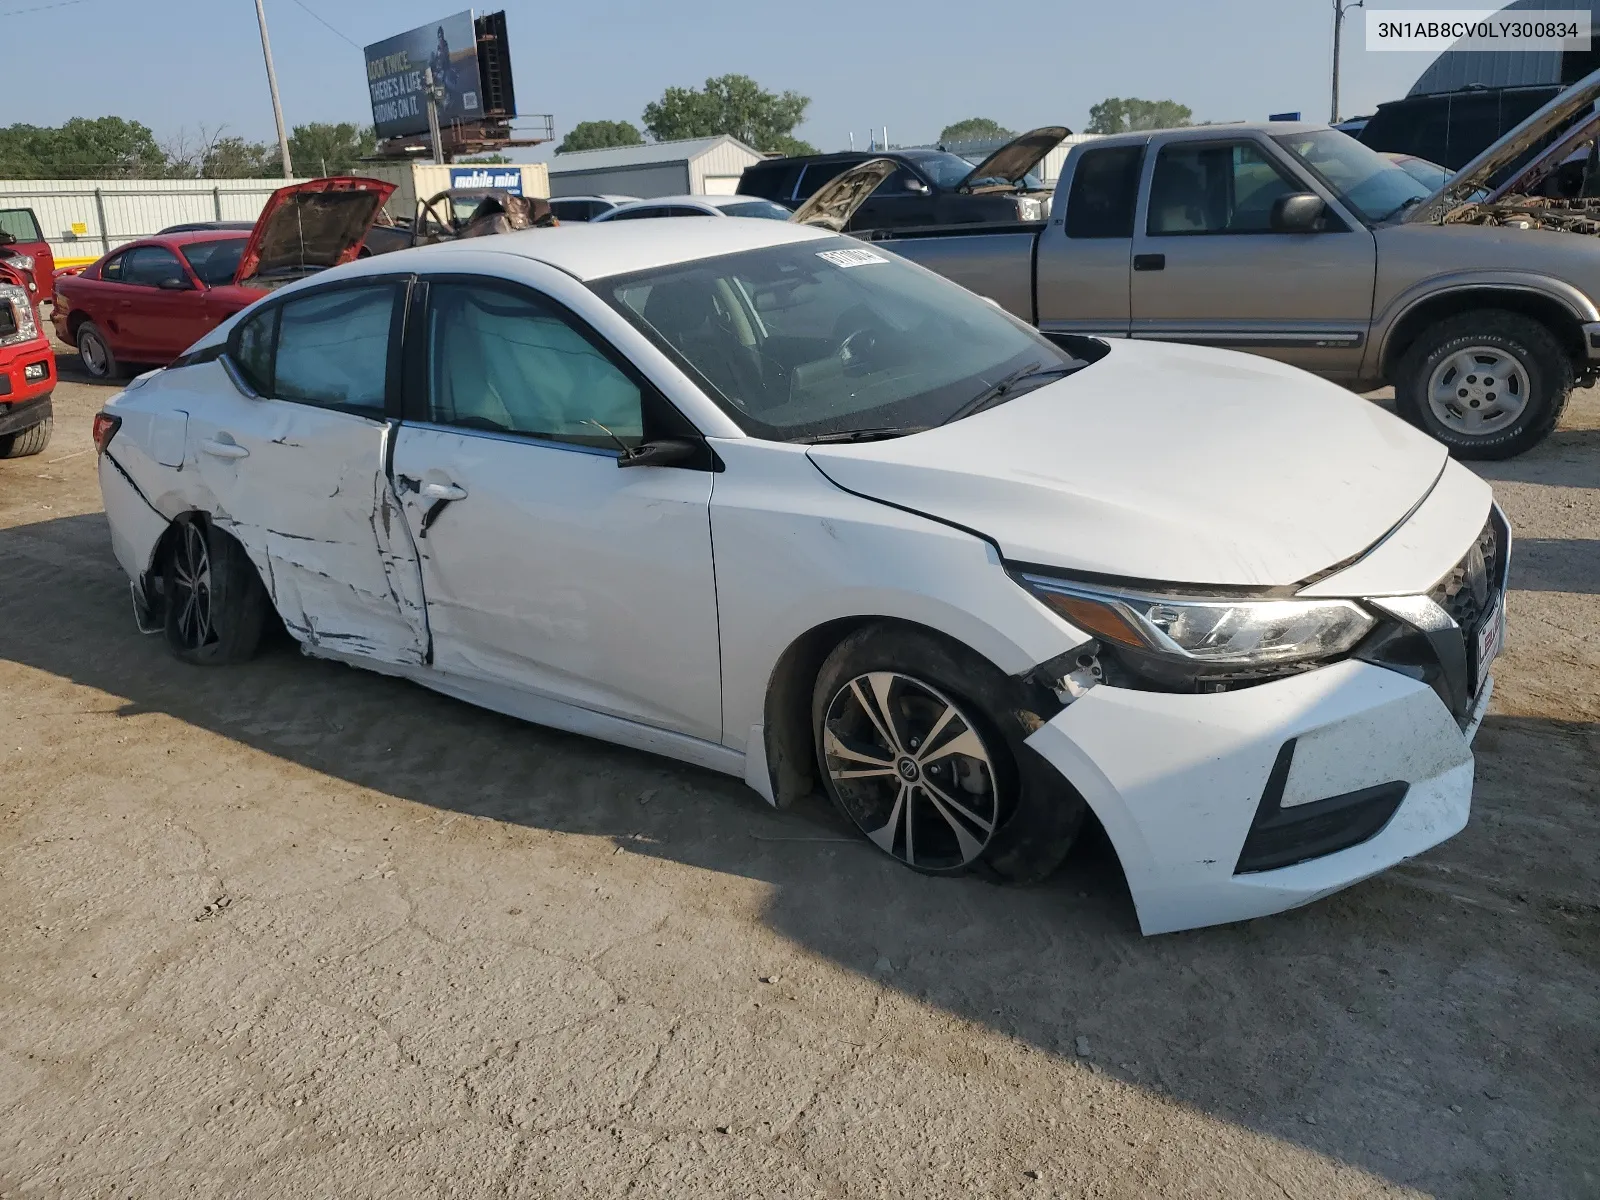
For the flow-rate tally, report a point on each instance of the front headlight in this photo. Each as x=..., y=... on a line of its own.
x=21, y=327
x=1208, y=632
x=24, y=261
x=1029, y=209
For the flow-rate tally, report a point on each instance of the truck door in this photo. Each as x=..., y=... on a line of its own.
x=1207, y=267
x=1085, y=252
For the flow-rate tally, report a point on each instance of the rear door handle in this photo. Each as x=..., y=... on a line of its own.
x=224, y=449
x=1149, y=262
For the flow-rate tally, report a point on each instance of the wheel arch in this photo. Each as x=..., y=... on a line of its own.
x=1563, y=315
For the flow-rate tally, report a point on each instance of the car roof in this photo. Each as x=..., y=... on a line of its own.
x=594, y=250
x=1203, y=133
x=176, y=241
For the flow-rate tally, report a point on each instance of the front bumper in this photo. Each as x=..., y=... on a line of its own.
x=27, y=372
x=1180, y=781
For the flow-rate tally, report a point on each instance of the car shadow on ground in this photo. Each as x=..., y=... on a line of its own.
x=1438, y=1026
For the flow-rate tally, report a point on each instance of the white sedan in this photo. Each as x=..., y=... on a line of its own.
x=763, y=499
x=697, y=206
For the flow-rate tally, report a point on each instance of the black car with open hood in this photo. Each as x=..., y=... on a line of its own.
x=927, y=187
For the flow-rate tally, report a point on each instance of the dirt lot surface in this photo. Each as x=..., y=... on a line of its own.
x=296, y=930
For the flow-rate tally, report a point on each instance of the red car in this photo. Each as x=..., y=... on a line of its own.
x=27, y=365
x=149, y=301
x=28, y=243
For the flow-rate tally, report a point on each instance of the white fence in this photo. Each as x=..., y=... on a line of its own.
x=84, y=218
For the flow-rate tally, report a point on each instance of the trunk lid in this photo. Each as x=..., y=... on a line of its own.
x=1573, y=107
x=310, y=226
x=1165, y=463
x=1017, y=157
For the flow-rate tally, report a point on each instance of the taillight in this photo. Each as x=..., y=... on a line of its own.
x=105, y=428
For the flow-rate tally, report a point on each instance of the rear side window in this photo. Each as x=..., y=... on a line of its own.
x=328, y=348
x=640, y=214
x=775, y=181
x=817, y=174
x=1105, y=189
x=19, y=223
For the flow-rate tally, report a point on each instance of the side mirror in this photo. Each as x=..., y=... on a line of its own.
x=664, y=452
x=175, y=283
x=1298, y=212
x=916, y=187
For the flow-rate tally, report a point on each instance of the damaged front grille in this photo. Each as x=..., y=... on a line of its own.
x=1473, y=586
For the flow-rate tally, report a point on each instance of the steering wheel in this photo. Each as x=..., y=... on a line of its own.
x=857, y=348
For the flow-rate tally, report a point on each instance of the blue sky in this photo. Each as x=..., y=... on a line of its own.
x=913, y=65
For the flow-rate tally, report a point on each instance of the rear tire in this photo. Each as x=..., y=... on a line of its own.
x=95, y=352
x=216, y=607
x=921, y=744
x=1488, y=384
x=29, y=441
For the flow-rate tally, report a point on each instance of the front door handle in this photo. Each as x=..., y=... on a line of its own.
x=443, y=491
x=224, y=449
x=1149, y=262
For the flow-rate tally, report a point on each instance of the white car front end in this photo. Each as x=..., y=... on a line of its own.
x=1253, y=615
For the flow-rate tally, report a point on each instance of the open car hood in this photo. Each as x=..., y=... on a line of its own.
x=309, y=226
x=1017, y=157
x=1562, y=123
x=835, y=202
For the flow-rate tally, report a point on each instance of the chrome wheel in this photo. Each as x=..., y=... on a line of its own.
x=191, y=588
x=1478, y=390
x=93, y=353
x=911, y=769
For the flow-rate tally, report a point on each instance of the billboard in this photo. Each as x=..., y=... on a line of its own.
x=395, y=69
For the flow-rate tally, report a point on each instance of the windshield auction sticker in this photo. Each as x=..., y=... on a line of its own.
x=1474, y=29
x=851, y=258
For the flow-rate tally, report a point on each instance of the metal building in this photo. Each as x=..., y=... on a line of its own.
x=1459, y=70
x=698, y=166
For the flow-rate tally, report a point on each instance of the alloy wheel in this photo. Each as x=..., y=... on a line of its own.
x=912, y=770
x=93, y=354
x=191, y=588
x=1478, y=390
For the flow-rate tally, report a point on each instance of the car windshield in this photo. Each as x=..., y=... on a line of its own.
x=215, y=262
x=1365, y=180
x=829, y=337
x=946, y=170
x=757, y=208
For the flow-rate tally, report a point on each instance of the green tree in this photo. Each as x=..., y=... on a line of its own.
x=82, y=148
x=235, y=158
x=1116, y=115
x=321, y=148
x=976, y=129
x=733, y=104
x=598, y=135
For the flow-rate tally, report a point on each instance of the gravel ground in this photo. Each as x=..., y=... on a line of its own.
x=292, y=929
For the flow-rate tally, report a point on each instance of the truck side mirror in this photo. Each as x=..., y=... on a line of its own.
x=1298, y=212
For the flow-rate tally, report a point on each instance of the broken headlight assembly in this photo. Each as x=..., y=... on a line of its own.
x=1203, y=643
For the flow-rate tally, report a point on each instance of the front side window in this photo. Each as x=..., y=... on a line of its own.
x=152, y=266
x=333, y=348
x=251, y=349
x=827, y=336
x=1215, y=189
x=215, y=262
x=1105, y=191
x=505, y=361
x=1376, y=187
x=19, y=223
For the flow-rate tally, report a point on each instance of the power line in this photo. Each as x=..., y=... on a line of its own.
x=314, y=16
x=17, y=12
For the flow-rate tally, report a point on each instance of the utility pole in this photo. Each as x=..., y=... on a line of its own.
x=272, y=83
x=1339, y=9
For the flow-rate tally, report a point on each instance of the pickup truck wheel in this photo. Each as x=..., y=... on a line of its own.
x=30, y=441
x=96, y=353
x=1486, y=384
x=920, y=743
x=216, y=608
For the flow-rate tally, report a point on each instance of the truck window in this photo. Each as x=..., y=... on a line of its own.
x=1214, y=189
x=1105, y=188
x=817, y=174
x=19, y=223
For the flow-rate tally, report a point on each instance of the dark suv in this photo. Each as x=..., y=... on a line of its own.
x=930, y=187
x=1452, y=128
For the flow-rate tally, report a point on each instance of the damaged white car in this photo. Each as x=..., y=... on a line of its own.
x=758, y=497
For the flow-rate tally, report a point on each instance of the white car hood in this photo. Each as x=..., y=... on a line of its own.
x=1165, y=463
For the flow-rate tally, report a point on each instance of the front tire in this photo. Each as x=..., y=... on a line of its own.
x=95, y=352
x=920, y=743
x=30, y=441
x=1489, y=385
x=216, y=607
